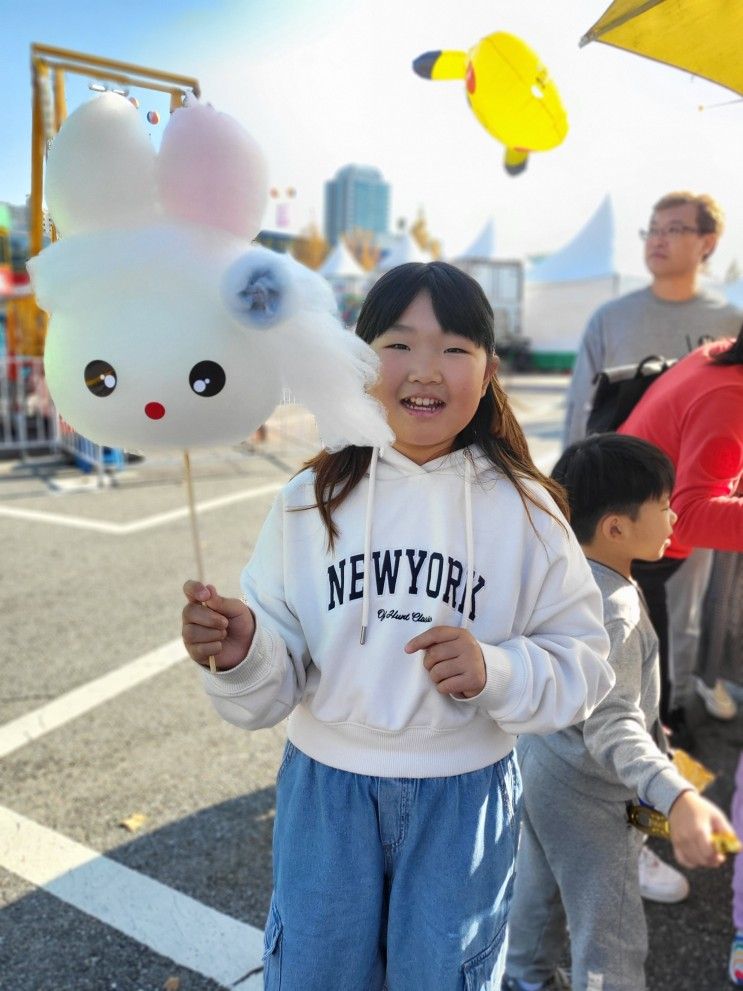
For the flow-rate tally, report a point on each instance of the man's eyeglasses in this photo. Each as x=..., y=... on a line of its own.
x=674, y=231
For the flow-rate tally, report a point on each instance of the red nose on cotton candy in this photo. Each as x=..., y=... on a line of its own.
x=210, y=171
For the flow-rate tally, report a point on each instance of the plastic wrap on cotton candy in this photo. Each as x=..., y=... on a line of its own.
x=178, y=333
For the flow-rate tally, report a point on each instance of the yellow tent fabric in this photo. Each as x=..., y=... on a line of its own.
x=700, y=36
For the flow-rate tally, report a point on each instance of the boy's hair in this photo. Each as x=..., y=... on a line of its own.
x=461, y=307
x=611, y=473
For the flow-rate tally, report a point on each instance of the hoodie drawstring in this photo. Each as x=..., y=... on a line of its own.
x=469, y=538
x=367, y=545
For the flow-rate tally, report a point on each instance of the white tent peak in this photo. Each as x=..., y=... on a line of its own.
x=340, y=263
x=404, y=249
x=589, y=255
x=484, y=244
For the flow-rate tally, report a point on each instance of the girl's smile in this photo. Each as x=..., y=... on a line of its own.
x=423, y=406
x=431, y=381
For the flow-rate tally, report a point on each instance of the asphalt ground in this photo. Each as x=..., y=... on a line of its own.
x=91, y=591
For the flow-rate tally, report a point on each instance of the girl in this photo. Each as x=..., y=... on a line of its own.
x=413, y=609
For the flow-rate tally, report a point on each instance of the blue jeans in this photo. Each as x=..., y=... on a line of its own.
x=395, y=883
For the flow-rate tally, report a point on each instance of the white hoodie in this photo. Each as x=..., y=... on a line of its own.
x=441, y=548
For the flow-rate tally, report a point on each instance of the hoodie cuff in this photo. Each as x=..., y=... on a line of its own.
x=254, y=668
x=665, y=788
x=499, y=692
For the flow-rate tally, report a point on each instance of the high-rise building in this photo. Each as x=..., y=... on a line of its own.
x=357, y=198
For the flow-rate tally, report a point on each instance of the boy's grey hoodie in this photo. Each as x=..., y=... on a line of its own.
x=617, y=752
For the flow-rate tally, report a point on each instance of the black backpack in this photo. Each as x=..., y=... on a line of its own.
x=619, y=390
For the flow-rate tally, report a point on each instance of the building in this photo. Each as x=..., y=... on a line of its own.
x=502, y=281
x=357, y=198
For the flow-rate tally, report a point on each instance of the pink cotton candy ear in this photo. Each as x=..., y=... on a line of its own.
x=210, y=171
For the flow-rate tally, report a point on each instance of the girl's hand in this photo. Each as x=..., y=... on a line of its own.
x=693, y=820
x=216, y=627
x=453, y=660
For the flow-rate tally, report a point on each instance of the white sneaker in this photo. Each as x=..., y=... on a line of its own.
x=659, y=882
x=717, y=701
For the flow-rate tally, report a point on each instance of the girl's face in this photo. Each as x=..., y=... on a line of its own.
x=430, y=382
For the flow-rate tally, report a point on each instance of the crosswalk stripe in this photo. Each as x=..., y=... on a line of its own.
x=170, y=923
x=147, y=523
x=72, y=704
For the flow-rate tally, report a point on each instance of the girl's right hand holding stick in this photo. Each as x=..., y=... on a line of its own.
x=223, y=630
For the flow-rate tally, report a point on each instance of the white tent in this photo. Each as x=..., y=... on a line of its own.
x=346, y=277
x=404, y=249
x=341, y=264
x=483, y=246
x=564, y=289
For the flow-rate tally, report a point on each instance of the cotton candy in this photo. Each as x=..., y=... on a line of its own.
x=167, y=328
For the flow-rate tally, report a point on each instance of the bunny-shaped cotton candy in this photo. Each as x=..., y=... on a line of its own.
x=167, y=328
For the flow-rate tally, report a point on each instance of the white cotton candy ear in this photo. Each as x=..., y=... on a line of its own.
x=210, y=171
x=101, y=169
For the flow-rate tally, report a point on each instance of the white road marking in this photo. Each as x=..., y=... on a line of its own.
x=157, y=916
x=147, y=523
x=31, y=726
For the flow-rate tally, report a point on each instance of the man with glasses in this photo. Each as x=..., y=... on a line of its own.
x=670, y=317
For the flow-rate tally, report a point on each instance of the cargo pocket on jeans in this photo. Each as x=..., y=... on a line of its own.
x=289, y=751
x=272, y=951
x=481, y=972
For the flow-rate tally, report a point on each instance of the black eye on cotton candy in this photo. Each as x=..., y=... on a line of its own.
x=207, y=378
x=100, y=378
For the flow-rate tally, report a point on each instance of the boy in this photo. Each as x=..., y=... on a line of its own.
x=577, y=860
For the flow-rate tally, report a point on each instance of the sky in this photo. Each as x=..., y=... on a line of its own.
x=323, y=83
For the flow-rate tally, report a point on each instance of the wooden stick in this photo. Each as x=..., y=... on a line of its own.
x=195, y=534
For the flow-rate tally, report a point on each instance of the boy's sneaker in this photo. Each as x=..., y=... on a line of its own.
x=735, y=967
x=558, y=982
x=717, y=701
x=659, y=882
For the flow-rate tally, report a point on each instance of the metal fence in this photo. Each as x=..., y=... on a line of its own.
x=30, y=425
x=27, y=414
x=29, y=422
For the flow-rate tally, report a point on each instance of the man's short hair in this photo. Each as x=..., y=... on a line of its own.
x=611, y=473
x=710, y=218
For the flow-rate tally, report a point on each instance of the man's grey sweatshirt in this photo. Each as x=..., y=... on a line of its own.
x=628, y=329
x=615, y=754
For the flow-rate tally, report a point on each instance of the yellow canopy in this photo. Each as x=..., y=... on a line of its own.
x=700, y=36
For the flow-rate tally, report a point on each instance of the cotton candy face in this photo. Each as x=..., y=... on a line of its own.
x=167, y=328
x=160, y=363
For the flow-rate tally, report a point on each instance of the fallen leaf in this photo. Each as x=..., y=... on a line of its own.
x=133, y=824
x=172, y=984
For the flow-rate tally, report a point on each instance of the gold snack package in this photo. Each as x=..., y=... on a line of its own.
x=694, y=772
x=654, y=823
